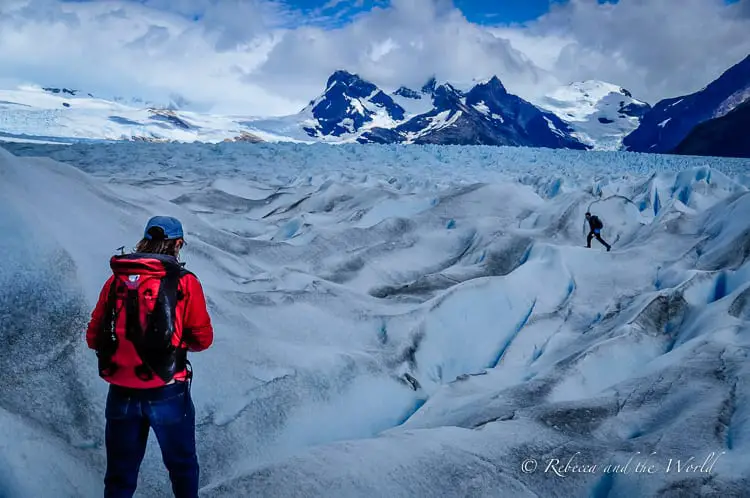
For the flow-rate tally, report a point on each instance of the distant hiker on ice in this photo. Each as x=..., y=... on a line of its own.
x=595, y=229
x=150, y=313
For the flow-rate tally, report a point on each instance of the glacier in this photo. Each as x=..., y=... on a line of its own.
x=602, y=114
x=395, y=320
x=50, y=115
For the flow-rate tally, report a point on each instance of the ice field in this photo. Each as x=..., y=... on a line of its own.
x=395, y=321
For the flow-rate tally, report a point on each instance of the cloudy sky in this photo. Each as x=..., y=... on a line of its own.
x=270, y=57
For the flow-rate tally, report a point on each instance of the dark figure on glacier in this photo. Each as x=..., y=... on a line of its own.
x=595, y=229
x=150, y=313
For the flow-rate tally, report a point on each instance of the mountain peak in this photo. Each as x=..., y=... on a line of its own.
x=429, y=87
x=493, y=84
x=343, y=83
x=344, y=77
x=445, y=96
x=600, y=113
x=490, y=92
x=447, y=87
x=593, y=89
x=348, y=104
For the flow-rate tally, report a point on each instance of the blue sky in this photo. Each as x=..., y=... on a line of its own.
x=334, y=13
x=477, y=11
x=503, y=11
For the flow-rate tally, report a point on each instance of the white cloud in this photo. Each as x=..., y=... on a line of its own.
x=261, y=57
x=331, y=4
x=405, y=44
x=655, y=48
x=231, y=23
x=114, y=48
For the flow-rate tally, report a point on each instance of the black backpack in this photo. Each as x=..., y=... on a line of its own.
x=596, y=223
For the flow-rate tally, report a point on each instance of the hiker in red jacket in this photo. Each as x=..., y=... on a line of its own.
x=150, y=313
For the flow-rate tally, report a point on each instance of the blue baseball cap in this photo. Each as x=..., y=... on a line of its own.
x=171, y=227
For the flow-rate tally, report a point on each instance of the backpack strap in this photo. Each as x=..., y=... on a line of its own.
x=110, y=313
x=180, y=296
x=106, y=336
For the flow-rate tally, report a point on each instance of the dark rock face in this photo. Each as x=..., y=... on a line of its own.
x=408, y=93
x=169, y=117
x=58, y=91
x=726, y=136
x=634, y=110
x=670, y=121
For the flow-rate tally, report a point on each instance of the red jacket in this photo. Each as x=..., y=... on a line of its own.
x=193, y=331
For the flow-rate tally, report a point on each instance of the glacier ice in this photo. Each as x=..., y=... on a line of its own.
x=393, y=321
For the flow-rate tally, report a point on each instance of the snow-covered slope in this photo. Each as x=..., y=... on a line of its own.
x=396, y=321
x=601, y=114
x=63, y=115
x=415, y=102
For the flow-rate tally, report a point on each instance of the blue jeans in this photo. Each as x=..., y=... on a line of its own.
x=130, y=414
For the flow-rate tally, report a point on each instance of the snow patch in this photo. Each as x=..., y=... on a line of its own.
x=482, y=107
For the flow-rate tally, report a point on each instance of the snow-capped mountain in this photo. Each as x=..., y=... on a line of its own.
x=584, y=115
x=726, y=136
x=65, y=115
x=671, y=120
x=485, y=115
x=354, y=110
x=347, y=105
x=601, y=114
